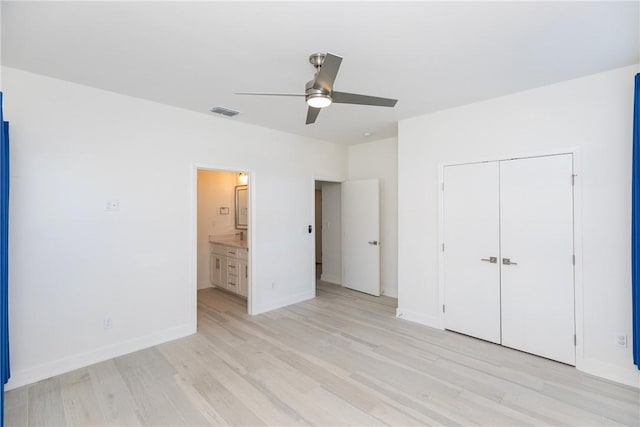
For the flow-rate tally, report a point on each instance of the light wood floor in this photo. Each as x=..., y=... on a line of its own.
x=340, y=359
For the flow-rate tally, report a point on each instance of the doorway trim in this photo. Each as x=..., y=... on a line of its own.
x=577, y=236
x=193, y=244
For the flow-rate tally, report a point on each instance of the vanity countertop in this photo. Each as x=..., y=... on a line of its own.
x=229, y=241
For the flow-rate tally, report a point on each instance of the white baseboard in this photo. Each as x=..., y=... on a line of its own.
x=283, y=302
x=421, y=318
x=204, y=285
x=626, y=375
x=390, y=294
x=70, y=363
x=331, y=279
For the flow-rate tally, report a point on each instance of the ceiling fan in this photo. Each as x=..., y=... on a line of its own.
x=319, y=92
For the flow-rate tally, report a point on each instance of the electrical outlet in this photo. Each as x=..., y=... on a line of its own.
x=112, y=205
x=621, y=340
x=107, y=322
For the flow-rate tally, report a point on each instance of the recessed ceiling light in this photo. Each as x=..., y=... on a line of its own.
x=367, y=134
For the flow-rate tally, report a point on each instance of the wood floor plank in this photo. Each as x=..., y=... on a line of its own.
x=45, y=404
x=80, y=403
x=228, y=405
x=113, y=395
x=152, y=405
x=191, y=367
x=603, y=405
x=16, y=407
x=343, y=413
x=339, y=359
x=414, y=405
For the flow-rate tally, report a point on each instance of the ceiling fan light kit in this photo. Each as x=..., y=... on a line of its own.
x=318, y=100
x=319, y=92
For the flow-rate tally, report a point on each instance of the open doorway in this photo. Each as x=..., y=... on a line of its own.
x=328, y=236
x=348, y=254
x=223, y=236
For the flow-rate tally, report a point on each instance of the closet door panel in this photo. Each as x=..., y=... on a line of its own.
x=471, y=234
x=536, y=233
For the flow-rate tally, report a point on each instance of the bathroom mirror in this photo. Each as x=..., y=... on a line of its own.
x=242, y=209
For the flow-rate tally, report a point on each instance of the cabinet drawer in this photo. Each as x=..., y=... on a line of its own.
x=214, y=248
x=232, y=282
x=232, y=265
x=243, y=254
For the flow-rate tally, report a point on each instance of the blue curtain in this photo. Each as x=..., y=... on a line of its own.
x=4, y=258
x=635, y=225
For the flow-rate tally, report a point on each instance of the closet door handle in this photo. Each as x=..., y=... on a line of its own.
x=491, y=259
x=507, y=261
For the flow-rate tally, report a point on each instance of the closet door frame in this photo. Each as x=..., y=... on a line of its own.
x=577, y=234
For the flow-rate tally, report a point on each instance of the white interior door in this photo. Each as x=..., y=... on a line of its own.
x=472, y=250
x=536, y=212
x=361, y=236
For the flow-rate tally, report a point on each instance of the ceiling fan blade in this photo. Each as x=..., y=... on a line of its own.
x=354, y=98
x=312, y=115
x=328, y=72
x=270, y=94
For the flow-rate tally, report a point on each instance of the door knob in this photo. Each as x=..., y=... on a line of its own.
x=373, y=242
x=491, y=259
x=507, y=261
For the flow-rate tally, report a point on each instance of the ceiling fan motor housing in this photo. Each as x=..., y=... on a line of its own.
x=317, y=59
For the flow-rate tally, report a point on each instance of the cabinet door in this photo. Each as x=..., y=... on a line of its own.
x=471, y=250
x=217, y=278
x=536, y=210
x=213, y=269
x=243, y=276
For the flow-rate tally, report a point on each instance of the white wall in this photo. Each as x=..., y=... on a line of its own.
x=216, y=189
x=379, y=159
x=592, y=113
x=72, y=262
x=331, y=232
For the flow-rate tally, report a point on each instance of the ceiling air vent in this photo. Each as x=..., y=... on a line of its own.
x=225, y=111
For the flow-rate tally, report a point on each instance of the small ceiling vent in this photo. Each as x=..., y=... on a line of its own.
x=225, y=111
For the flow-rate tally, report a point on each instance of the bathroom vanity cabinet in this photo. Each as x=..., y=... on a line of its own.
x=229, y=266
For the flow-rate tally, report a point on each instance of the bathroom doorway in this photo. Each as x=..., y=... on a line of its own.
x=223, y=238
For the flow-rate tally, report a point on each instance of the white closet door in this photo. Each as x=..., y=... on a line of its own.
x=471, y=238
x=536, y=212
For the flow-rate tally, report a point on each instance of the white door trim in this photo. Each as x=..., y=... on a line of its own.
x=193, y=247
x=577, y=236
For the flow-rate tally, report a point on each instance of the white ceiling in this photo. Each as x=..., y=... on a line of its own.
x=429, y=55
